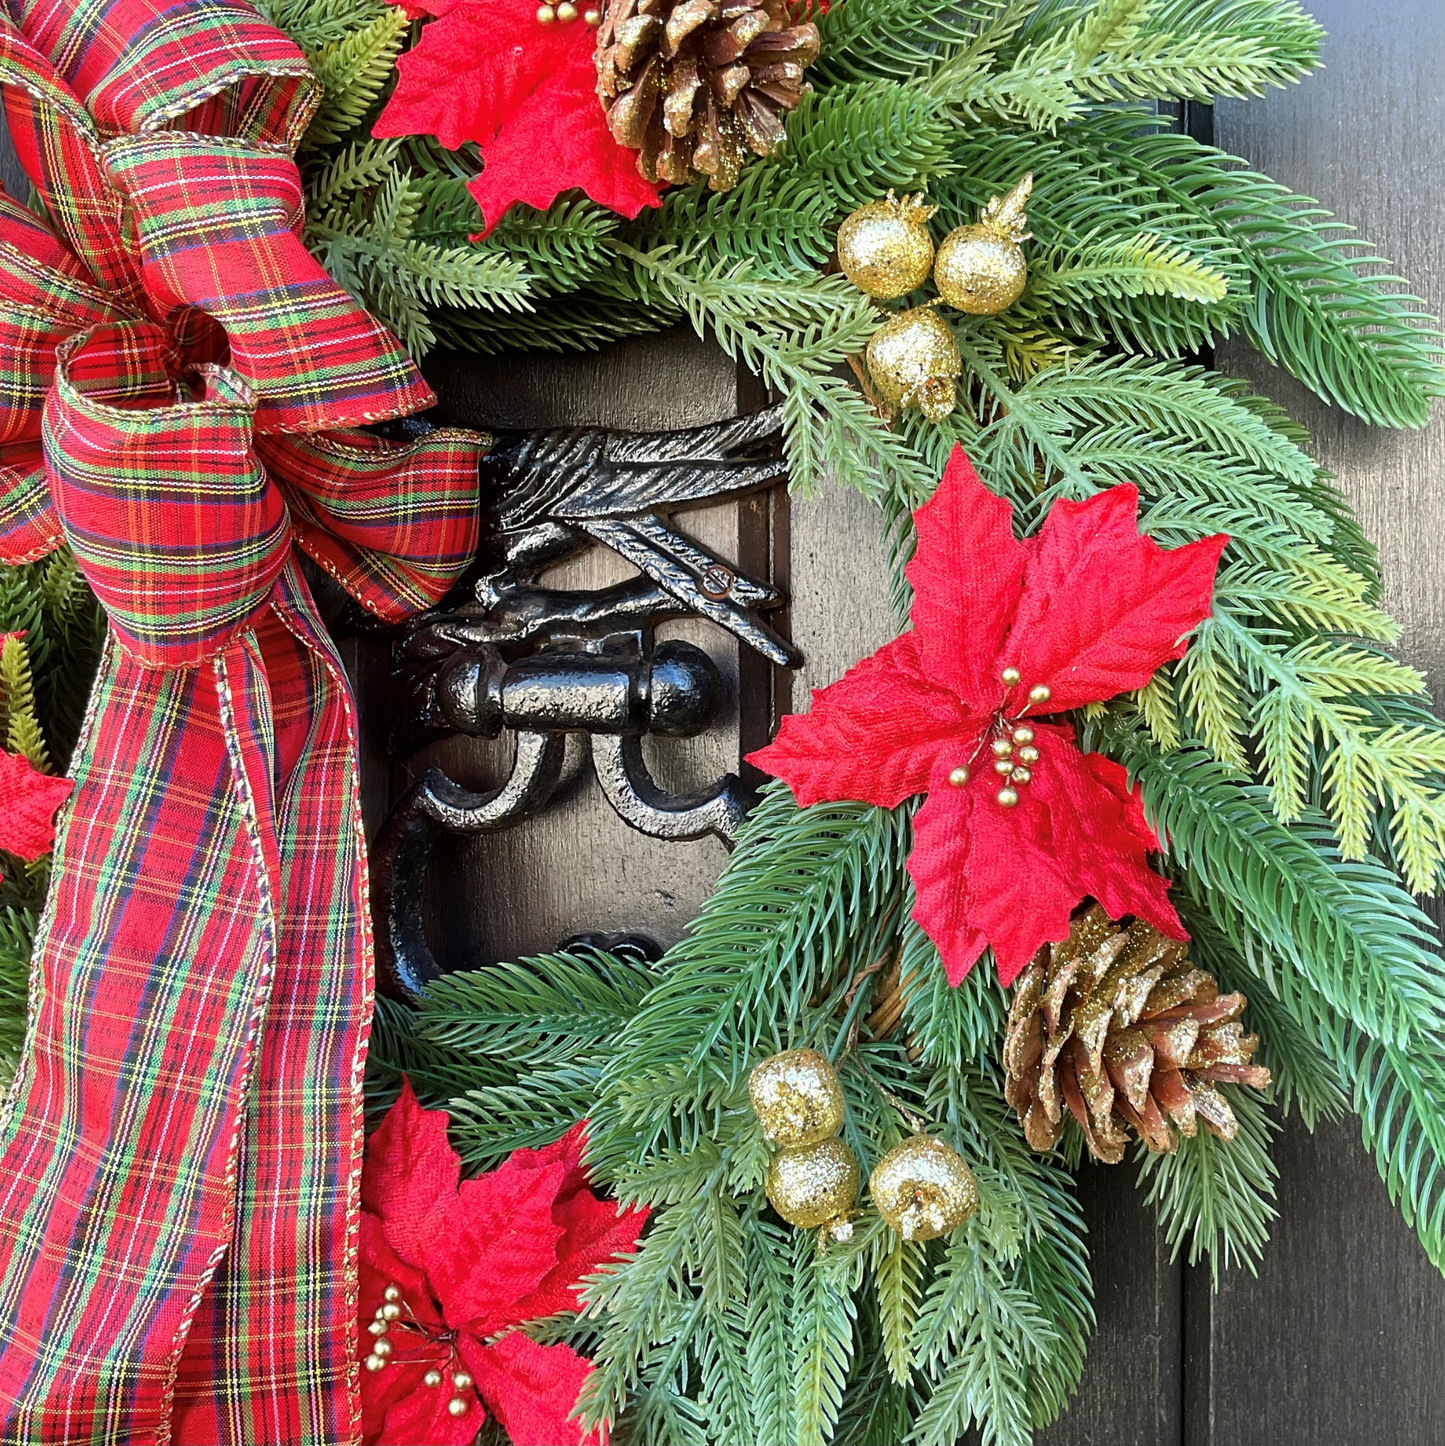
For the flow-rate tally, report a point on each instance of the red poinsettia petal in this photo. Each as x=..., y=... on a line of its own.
x=1103, y=607
x=593, y=1231
x=1089, y=796
x=471, y=68
x=526, y=93
x=1011, y=878
x=531, y=1389
x=556, y=139
x=497, y=1243
x=379, y=1267
x=421, y=1418
x=385, y=1393
x=876, y=735
x=411, y=1175
x=418, y=1416
x=967, y=575
x=28, y=801
x=987, y=875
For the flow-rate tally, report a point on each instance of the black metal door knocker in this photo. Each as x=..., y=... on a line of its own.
x=565, y=670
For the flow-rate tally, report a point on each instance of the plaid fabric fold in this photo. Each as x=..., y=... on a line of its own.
x=208, y=214
x=180, y=1155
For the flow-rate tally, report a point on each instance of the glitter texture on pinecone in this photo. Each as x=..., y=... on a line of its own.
x=1116, y=1026
x=694, y=85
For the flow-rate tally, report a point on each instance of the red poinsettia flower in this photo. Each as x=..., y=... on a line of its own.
x=28, y=802
x=1019, y=825
x=448, y=1269
x=489, y=71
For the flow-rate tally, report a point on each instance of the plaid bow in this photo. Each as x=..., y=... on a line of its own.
x=182, y=393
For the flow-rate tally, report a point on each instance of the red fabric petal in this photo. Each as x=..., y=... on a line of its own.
x=473, y=1259
x=1089, y=797
x=1103, y=607
x=1012, y=877
x=28, y=801
x=987, y=875
x=531, y=1389
x=967, y=575
x=526, y=93
x=497, y=1243
x=411, y=1175
x=876, y=735
x=592, y=1231
x=420, y=1417
x=556, y=139
x=388, y=1409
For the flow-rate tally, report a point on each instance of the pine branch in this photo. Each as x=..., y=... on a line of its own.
x=770, y=1360
x=315, y=23
x=1303, y=1076
x=488, y=1123
x=362, y=166
x=949, y=1026
x=794, y=335
x=1215, y=1194
x=804, y=889
x=1117, y=50
x=1398, y=1092
x=436, y=1072
x=1028, y=1217
x=1298, y=914
x=353, y=71
x=898, y=1279
x=821, y=1316
x=903, y=39
x=1321, y=307
x=1086, y=291
x=23, y=733
x=542, y=1010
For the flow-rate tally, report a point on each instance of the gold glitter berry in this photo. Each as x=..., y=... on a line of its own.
x=923, y=1188
x=981, y=269
x=797, y=1097
x=885, y=249
x=815, y=1185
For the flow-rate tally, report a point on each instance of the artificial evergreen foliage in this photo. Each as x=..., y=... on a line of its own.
x=1291, y=765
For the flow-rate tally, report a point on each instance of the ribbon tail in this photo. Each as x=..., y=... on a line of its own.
x=247, y=1375
x=205, y=949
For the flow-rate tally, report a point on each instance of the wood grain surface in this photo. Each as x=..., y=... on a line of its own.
x=1340, y=1341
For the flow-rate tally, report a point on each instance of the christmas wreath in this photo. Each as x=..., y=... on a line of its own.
x=1111, y=850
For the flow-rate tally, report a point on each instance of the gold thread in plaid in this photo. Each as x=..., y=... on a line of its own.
x=180, y=1157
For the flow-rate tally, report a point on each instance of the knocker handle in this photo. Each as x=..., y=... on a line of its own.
x=544, y=697
x=402, y=852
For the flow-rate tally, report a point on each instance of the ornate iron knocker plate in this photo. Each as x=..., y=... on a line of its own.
x=563, y=669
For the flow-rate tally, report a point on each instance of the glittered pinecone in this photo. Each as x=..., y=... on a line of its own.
x=693, y=85
x=1116, y=1026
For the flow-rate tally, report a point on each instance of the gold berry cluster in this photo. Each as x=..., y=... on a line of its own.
x=393, y=1314
x=566, y=12
x=886, y=251
x=1012, y=744
x=923, y=1187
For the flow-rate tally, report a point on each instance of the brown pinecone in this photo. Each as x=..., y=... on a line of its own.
x=1118, y=1026
x=694, y=84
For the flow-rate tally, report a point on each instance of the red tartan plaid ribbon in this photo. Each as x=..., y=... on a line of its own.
x=180, y=392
